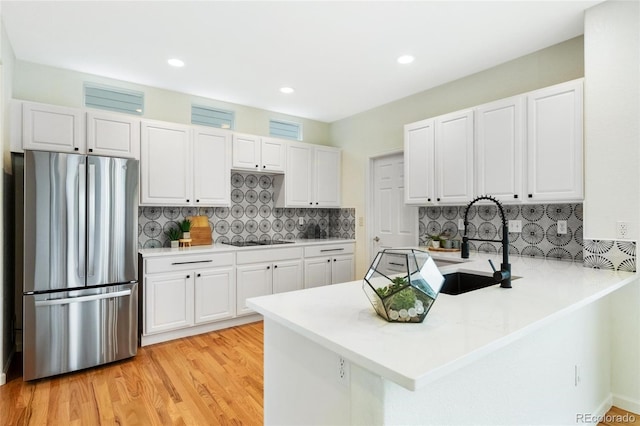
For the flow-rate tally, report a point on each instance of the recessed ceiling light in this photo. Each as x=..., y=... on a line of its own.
x=287, y=90
x=175, y=62
x=405, y=59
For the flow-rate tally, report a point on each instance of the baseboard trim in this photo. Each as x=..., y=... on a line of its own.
x=5, y=369
x=626, y=403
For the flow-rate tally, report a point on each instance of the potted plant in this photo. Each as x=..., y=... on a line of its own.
x=436, y=240
x=185, y=227
x=174, y=235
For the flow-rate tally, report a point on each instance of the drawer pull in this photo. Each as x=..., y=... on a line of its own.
x=395, y=264
x=193, y=261
x=336, y=249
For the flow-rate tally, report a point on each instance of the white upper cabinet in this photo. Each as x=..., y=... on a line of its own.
x=554, y=143
x=52, y=128
x=258, y=154
x=115, y=135
x=61, y=129
x=327, y=177
x=211, y=167
x=312, y=177
x=165, y=164
x=498, y=149
x=454, y=157
x=419, y=160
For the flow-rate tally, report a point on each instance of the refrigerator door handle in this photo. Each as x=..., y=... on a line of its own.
x=91, y=217
x=82, y=299
x=82, y=210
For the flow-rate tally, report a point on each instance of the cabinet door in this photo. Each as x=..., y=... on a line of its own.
x=326, y=180
x=342, y=268
x=298, y=175
x=273, y=155
x=317, y=272
x=252, y=281
x=52, y=128
x=287, y=276
x=498, y=149
x=211, y=167
x=165, y=164
x=168, y=302
x=246, y=152
x=214, y=294
x=419, y=161
x=114, y=135
x=554, y=143
x=454, y=157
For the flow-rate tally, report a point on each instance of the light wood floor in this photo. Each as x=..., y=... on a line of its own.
x=616, y=417
x=210, y=379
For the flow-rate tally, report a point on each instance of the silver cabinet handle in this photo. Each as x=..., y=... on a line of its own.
x=336, y=249
x=81, y=299
x=193, y=261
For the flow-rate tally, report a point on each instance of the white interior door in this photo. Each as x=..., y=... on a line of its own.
x=394, y=223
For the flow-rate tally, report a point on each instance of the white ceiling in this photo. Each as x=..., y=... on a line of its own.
x=339, y=56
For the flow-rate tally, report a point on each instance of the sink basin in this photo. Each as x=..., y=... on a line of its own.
x=462, y=282
x=446, y=262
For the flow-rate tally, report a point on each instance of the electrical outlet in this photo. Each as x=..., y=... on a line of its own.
x=623, y=229
x=562, y=227
x=515, y=226
x=343, y=371
x=300, y=221
x=461, y=224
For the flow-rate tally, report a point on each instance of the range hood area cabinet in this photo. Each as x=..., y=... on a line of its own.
x=41, y=127
x=258, y=154
x=184, y=165
x=438, y=158
x=312, y=177
x=524, y=148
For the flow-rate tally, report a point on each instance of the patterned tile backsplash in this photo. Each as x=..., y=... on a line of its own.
x=251, y=217
x=539, y=236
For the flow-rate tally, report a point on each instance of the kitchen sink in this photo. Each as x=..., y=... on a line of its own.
x=463, y=282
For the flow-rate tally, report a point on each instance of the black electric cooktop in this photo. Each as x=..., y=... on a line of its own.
x=256, y=243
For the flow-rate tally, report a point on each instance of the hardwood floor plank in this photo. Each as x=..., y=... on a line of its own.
x=212, y=379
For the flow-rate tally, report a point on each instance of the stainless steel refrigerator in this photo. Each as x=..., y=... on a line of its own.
x=80, y=230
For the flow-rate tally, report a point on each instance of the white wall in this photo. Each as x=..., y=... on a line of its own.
x=612, y=126
x=40, y=83
x=380, y=130
x=612, y=159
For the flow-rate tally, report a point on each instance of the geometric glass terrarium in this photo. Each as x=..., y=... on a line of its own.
x=402, y=284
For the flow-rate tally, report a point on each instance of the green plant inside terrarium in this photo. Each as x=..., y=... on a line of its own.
x=403, y=297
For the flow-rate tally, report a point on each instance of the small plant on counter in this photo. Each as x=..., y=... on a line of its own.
x=396, y=284
x=185, y=225
x=173, y=234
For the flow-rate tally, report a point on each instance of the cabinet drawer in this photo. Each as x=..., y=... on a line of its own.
x=328, y=250
x=187, y=262
x=269, y=255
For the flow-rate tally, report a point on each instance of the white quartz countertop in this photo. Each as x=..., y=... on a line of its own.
x=166, y=251
x=458, y=329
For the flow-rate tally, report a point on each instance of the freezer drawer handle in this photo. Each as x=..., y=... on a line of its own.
x=193, y=261
x=81, y=299
x=336, y=249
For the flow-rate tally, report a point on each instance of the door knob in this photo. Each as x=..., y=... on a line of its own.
x=376, y=239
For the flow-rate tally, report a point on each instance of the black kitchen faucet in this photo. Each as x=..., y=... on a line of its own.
x=503, y=276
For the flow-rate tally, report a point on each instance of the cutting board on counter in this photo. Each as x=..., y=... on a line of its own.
x=200, y=231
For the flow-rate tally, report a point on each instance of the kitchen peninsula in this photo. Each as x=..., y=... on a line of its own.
x=534, y=354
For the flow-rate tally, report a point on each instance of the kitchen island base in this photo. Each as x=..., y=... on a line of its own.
x=558, y=374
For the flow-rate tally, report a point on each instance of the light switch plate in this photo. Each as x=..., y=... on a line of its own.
x=562, y=227
x=515, y=226
x=461, y=224
x=300, y=221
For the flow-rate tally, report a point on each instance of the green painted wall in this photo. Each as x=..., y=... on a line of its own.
x=380, y=130
x=41, y=83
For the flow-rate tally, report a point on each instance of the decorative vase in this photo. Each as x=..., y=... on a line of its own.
x=402, y=284
x=186, y=235
x=175, y=243
x=447, y=244
x=435, y=243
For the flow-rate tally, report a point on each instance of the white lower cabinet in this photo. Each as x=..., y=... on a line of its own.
x=182, y=291
x=328, y=264
x=263, y=272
